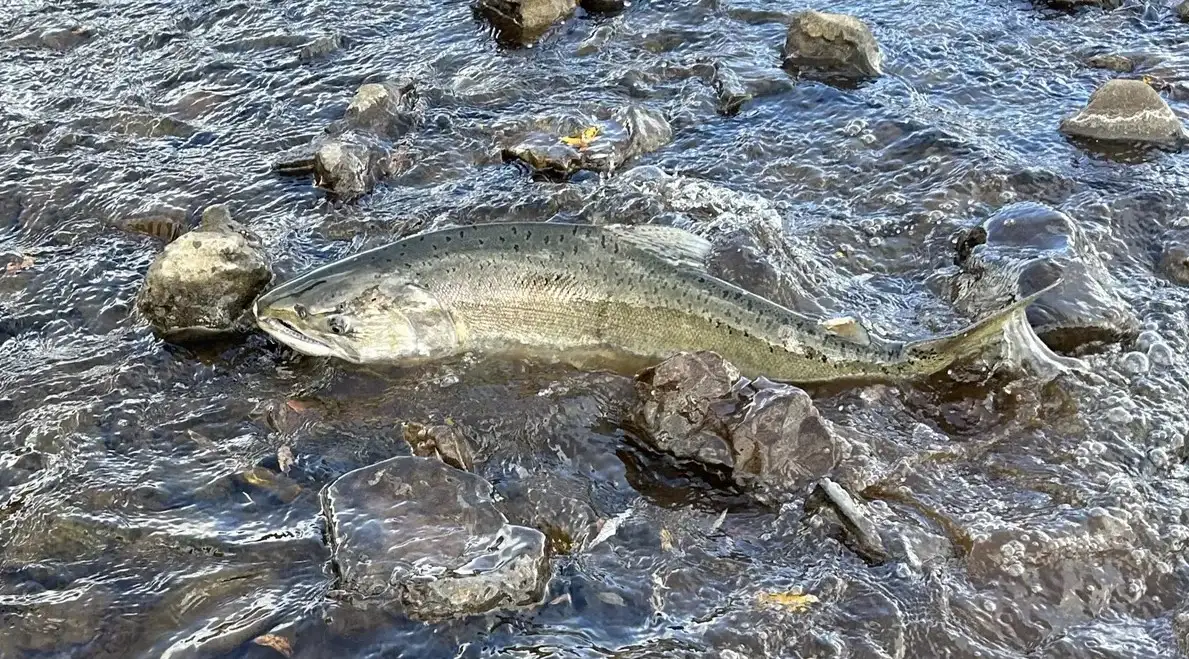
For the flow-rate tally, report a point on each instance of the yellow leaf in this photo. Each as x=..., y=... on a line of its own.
x=795, y=602
x=278, y=643
x=583, y=139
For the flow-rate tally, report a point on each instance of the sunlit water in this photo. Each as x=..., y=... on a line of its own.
x=1032, y=521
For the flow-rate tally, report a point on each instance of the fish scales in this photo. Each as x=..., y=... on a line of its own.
x=553, y=289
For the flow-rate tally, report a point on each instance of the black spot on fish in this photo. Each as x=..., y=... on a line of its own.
x=462, y=233
x=546, y=239
x=515, y=248
x=502, y=239
x=528, y=235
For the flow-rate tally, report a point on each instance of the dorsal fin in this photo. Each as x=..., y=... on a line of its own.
x=675, y=246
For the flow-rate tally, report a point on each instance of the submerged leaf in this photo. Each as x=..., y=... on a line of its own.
x=583, y=139
x=793, y=601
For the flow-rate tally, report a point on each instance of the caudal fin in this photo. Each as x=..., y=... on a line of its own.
x=1009, y=326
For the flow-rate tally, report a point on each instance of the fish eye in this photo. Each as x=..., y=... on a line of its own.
x=301, y=311
x=337, y=325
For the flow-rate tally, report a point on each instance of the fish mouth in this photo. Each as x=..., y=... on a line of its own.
x=286, y=333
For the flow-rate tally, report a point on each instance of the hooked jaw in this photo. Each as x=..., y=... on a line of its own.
x=275, y=323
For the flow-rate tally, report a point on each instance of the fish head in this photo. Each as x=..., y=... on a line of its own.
x=358, y=319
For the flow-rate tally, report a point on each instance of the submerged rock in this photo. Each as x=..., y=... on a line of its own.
x=522, y=21
x=1174, y=261
x=558, y=507
x=202, y=282
x=597, y=145
x=1183, y=10
x=1111, y=62
x=385, y=109
x=320, y=47
x=729, y=90
x=350, y=165
x=1033, y=244
x=446, y=442
x=648, y=129
x=769, y=437
x=831, y=45
x=1126, y=111
x=415, y=535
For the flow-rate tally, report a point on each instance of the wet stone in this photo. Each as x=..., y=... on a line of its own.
x=831, y=45
x=1111, y=62
x=386, y=109
x=601, y=147
x=729, y=90
x=558, y=507
x=350, y=165
x=648, y=129
x=201, y=283
x=446, y=442
x=768, y=436
x=1174, y=259
x=1183, y=11
x=522, y=21
x=1126, y=111
x=464, y=559
x=1033, y=244
x=320, y=47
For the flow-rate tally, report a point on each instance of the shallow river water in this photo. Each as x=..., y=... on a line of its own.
x=1023, y=520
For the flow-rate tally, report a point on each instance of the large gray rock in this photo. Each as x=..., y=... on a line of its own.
x=1126, y=111
x=831, y=45
x=349, y=166
x=1183, y=11
x=1033, y=244
x=414, y=535
x=769, y=437
x=522, y=21
x=201, y=283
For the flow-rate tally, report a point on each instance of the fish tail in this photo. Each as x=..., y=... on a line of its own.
x=1008, y=325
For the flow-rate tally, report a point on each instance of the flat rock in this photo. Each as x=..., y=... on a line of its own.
x=769, y=437
x=523, y=21
x=1032, y=244
x=831, y=45
x=201, y=283
x=349, y=166
x=414, y=535
x=1126, y=111
x=1174, y=259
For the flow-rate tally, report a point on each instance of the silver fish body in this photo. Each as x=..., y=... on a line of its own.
x=565, y=289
